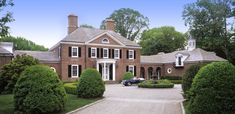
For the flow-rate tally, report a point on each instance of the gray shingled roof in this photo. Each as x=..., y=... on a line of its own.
x=43, y=56
x=83, y=35
x=194, y=55
x=4, y=52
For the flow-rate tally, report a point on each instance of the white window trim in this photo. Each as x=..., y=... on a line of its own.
x=74, y=47
x=177, y=61
x=93, y=48
x=118, y=53
x=53, y=68
x=107, y=53
x=132, y=67
x=74, y=76
x=129, y=53
x=104, y=41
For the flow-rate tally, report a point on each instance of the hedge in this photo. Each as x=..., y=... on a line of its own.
x=39, y=90
x=71, y=88
x=128, y=76
x=212, y=90
x=90, y=84
x=156, y=84
x=176, y=81
x=172, y=77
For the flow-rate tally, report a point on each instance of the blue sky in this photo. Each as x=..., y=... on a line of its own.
x=45, y=21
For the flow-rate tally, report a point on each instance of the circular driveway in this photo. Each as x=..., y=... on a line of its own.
x=127, y=100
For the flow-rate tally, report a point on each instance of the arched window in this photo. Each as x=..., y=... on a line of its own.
x=105, y=40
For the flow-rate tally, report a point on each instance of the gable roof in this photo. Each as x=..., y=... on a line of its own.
x=42, y=56
x=84, y=35
x=197, y=54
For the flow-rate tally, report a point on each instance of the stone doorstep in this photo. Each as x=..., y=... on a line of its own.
x=88, y=105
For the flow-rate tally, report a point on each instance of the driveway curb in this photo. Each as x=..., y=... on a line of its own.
x=81, y=108
x=182, y=107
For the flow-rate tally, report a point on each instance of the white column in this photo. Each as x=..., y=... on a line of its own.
x=114, y=72
x=104, y=71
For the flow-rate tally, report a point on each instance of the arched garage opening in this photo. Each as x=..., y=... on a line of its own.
x=150, y=73
x=142, y=72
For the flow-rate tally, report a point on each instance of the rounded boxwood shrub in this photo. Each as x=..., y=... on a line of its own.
x=128, y=76
x=90, y=84
x=39, y=90
x=212, y=90
x=188, y=76
x=11, y=72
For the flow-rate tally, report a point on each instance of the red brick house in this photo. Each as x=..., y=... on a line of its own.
x=113, y=55
x=105, y=50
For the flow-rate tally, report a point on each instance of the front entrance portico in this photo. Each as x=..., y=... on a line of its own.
x=107, y=68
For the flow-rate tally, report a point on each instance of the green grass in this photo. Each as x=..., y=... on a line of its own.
x=6, y=102
x=7, y=106
x=185, y=103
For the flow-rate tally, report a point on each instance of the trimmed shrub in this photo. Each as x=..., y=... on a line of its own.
x=172, y=77
x=11, y=72
x=212, y=90
x=90, y=84
x=39, y=90
x=188, y=77
x=71, y=88
x=128, y=76
x=156, y=84
x=176, y=81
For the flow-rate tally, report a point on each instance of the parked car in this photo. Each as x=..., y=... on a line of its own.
x=132, y=81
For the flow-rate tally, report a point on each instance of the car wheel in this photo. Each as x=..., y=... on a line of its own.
x=129, y=83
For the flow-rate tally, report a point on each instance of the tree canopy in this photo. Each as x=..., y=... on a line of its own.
x=86, y=26
x=5, y=16
x=163, y=39
x=129, y=23
x=23, y=44
x=210, y=24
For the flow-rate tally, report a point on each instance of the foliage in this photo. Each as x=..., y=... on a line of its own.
x=72, y=103
x=172, y=77
x=212, y=91
x=209, y=23
x=23, y=44
x=156, y=84
x=164, y=39
x=129, y=23
x=6, y=102
x=128, y=76
x=71, y=88
x=5, y=17
x=188, y=77
x=86, y=26
x=11, y=72
x=176, y=81
x=39, y=90
x=90, y=84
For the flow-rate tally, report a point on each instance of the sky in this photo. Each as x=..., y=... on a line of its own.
x=45, y=21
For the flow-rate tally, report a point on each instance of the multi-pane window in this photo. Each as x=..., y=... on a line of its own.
x=74, y=70
x=74, y=51
x=131, y=68
x=93, y=52
x=105, y=53
x=116, y=53
x=131, y=54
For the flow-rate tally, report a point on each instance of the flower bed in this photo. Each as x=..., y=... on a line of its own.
x=156, y=84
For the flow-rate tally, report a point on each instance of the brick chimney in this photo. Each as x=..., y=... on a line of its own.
x=72, y=23
x=110, y=24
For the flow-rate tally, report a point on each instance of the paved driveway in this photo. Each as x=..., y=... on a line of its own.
x=134, y=100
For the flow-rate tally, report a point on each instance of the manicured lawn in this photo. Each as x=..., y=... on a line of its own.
x=7, y=106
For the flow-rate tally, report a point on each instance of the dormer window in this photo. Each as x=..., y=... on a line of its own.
x=105, y=40
x=179, y=60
